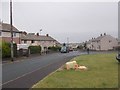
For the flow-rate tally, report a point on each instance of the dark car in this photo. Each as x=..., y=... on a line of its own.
x=64, y=49
x=118, y=57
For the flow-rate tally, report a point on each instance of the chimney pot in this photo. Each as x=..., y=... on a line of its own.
x=25, y=33
x=37, y=34
x=104, y=34
x=47, y=35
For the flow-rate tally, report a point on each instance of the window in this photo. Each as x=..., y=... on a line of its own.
x=99, y=47
x=25, y=41
x=110, y=41
x=14, y=34
x=32, y=41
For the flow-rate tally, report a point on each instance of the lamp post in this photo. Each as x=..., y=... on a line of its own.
x=11, y=30
x=67, y=41
x=40, y=31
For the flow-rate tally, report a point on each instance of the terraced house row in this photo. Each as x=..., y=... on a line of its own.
x=20, y=37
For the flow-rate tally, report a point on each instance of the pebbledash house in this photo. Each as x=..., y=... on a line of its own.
x=44, y=41
x=22, y=38
x=5, y=33
x=103, y=42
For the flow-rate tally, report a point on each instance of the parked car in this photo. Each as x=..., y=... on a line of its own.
x=118, y=57
x=23, y=49
x=70, y=49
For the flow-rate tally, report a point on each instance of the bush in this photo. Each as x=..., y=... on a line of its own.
x=35, y=49
x=80, y=47
x=56, y=48
x=6, y=51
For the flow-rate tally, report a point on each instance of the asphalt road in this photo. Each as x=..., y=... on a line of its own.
x=24, y=74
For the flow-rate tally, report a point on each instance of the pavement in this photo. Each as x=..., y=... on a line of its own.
x=16, y=59
x=27, y=72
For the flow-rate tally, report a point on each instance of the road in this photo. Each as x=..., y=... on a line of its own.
x=26, y=73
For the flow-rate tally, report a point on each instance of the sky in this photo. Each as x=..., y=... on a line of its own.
x=76, y=20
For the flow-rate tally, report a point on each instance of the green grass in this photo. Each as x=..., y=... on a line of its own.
x=102, y=73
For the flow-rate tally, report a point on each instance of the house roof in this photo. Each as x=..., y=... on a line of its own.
x=97, y=39
x=37, y=38
x=6, y=27
x=100, y=37
x=92, y=40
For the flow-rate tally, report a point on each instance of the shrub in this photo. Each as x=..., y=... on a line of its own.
x=6, y=51
x=35, y=49
x=56, y=48
x=85, y=46
x=80, y=47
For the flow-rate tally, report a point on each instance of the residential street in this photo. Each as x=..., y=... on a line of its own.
x=37, y=37
x=26, y=73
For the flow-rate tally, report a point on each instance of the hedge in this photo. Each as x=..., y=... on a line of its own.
x=35, y=49
x=80, y=47
x=56, y=48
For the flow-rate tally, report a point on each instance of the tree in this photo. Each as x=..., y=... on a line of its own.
x=85, y=45
x=80, y=47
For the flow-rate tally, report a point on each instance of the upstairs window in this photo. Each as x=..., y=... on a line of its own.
x=110, y=41
x=32, y=41
x=25, y=41
x=14, y=34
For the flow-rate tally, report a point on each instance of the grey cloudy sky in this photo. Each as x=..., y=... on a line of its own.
x=80, y=21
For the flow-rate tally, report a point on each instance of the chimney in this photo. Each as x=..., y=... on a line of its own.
x=100, y=34
x=25, y=33
x=37, y=34
x=47, y=35
x=104, y=34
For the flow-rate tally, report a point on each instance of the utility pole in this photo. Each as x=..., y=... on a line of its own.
x=11, y=30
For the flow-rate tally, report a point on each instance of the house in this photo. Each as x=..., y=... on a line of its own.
x=5, y=33
x=103, y=42
x=74, y=45
x=44, y=41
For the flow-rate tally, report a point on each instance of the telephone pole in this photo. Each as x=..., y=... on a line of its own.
x=11, y=30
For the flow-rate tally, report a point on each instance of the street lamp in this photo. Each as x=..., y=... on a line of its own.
x=11, y=30
x=40, y=31
x=67, y=41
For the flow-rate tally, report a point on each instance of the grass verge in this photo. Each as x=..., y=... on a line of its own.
x=102, y=73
